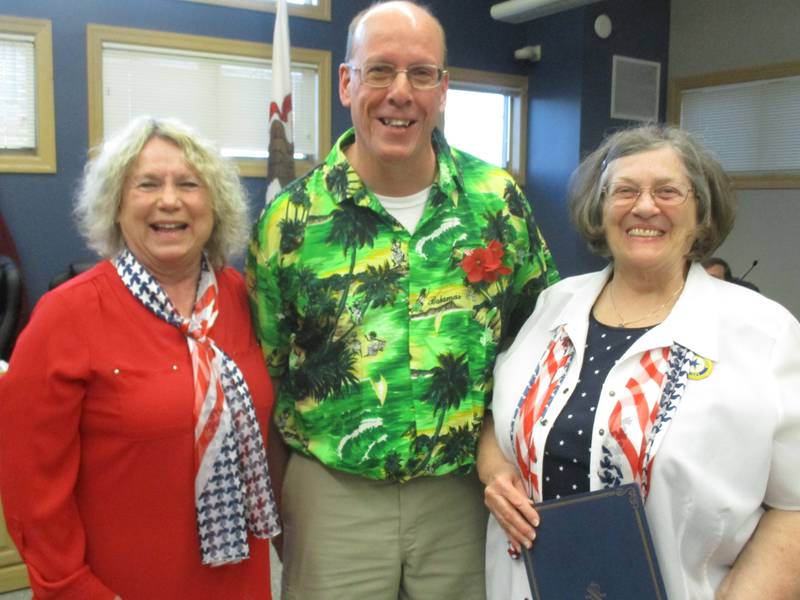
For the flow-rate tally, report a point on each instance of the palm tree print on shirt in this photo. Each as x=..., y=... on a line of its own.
x=383, y=348
x=449, y=383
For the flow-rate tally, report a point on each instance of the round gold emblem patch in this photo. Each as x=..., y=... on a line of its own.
x=700, y=368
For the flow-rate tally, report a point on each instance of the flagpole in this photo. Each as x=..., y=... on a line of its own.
x=280, y=164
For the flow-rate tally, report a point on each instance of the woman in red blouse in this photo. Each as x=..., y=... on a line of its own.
x=133, y=413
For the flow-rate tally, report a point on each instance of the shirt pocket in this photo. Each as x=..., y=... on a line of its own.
x=141, y=401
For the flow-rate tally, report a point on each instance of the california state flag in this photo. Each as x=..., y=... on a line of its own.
x=280, y=165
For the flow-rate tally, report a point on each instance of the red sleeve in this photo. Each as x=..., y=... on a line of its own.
x=40, y=410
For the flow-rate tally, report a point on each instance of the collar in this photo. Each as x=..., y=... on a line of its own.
x=343, y=182
x=574, y=316
x=694, y=320
x=692, y=323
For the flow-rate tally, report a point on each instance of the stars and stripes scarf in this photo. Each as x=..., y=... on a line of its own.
x=233, y=493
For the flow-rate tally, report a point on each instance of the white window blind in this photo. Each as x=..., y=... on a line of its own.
x=224, y=97
x=752, y=127
x=17, y=92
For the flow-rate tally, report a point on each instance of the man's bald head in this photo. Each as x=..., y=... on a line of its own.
x=411, y=9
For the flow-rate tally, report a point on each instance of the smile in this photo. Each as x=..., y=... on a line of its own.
x=168, y=226
x=641, y=232
x=402, y=123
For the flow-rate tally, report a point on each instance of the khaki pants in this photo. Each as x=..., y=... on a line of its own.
x=350, y=538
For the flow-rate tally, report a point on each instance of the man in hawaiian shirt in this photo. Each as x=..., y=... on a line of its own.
x=383, y=283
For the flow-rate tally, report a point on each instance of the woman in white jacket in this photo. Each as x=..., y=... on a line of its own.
x=653, y=372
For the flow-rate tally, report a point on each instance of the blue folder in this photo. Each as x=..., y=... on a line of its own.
x=594, y=546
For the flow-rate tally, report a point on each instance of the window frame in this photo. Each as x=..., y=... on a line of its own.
x=321, y=12
x=97, y=35
x=43, y=158
x=516, y=87
x=679, y=85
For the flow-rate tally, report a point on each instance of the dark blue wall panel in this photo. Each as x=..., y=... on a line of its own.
x=570, y=100
x=554, y=124
x=641, y=31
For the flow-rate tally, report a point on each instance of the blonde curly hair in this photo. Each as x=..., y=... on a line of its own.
x=100, y=194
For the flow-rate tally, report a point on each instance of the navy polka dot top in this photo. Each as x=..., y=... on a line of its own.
x=566, y=453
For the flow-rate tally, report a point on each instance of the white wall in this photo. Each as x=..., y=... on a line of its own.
x=707, y=36
x=767, y=230
x=721, y=35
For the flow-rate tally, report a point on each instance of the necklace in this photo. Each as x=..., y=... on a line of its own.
x=659, y=308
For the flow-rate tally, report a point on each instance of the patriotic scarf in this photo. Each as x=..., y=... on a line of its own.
x=638, y=420
x=233, y=493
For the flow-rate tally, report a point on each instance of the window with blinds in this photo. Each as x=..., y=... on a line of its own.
x=27, y=115
x=17, y=92
x=749, y=119
x=220, y=87
x=752, y=127
x=225, y=98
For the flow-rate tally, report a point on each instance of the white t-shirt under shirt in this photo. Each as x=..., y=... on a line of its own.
x=406, y=209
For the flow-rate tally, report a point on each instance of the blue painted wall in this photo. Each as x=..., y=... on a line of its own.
x=567, y=92
x=640, y=30
x=554, y=126
x=570, y=103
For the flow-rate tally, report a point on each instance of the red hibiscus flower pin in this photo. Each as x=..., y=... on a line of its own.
x=485, y=264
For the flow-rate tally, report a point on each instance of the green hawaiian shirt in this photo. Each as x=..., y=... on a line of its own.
x=384, y=347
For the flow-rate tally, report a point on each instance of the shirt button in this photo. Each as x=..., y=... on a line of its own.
x=602, y=432
x=566, y=391
x=543, y=422
x=612, y=393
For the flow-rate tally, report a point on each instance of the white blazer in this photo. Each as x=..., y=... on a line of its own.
x=734, y=442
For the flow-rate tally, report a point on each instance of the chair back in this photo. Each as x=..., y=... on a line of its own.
x=10, y=304
x=73, y=269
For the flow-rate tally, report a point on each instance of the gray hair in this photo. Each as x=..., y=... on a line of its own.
x=100, y=194
x=716, y=205
x=351, y=29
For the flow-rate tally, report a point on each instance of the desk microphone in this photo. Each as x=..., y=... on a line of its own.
x=746, y=273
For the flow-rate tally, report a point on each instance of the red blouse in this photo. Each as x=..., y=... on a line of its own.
x=96, y=446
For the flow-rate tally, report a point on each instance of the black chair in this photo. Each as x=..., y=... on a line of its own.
x=73, y=269
x=10, y=304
